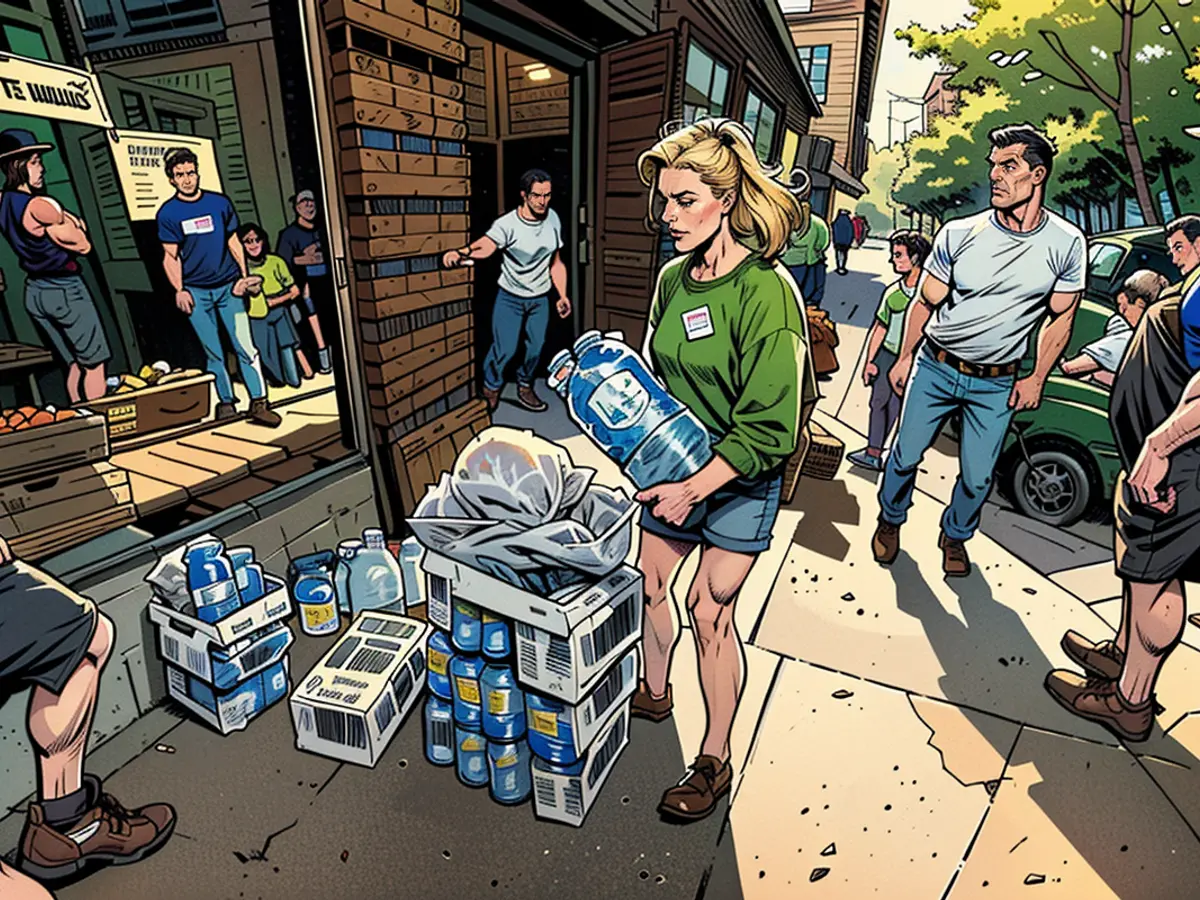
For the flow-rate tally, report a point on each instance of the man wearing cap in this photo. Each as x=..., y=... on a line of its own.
x=48, y=241
x=302, y=248
x=805, y=257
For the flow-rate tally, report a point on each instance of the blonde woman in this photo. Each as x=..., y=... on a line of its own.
x=727, y=337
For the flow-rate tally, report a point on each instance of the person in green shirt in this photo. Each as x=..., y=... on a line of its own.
x=805, y=255
x=266, y=306
x=727, y=336
x=910, y=249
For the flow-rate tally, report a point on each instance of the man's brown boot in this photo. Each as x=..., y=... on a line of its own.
x=529, y=399
x=1102, y=659
x=492, y=398
x=224, y=412
x=262, y=414
x=955, y=561
x=696, y=795
x=885, y=543
x=646, y=706
x=108, y=833
x=1098, y=700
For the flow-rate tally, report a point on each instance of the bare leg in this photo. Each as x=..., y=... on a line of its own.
x=315, y=323
x=74, y=380
x=94, y=385
x=1122, y=638
x=658, y=560
x=59, y=724
x=15, y=886
x=305, y=368
x=711, y=603
x=1156, y=625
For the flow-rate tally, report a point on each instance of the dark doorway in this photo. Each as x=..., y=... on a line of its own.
x=485, y=207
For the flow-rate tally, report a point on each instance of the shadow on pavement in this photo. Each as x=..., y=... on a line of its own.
x=857, y=296
x=825, y=504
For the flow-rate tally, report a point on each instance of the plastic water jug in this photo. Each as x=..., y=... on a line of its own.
x=347, y=551
x=466, y=627
x=510, y=777
x=471, y=753
x=551, y=732
x=618, y=403
x=248, y=574
x=439, y=732
x=211, y=581
x=376, y=581
x=465, y=691
x=438, y=654
x=503, y=703
x=497, y=638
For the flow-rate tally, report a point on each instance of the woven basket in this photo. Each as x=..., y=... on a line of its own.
x=824, y=455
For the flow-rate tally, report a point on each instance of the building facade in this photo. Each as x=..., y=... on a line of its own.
x=941, y=98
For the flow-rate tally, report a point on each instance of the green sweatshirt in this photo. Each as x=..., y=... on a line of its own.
x=735, y=352
x=808, y=249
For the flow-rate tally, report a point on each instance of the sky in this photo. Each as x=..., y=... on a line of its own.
x=898, y=71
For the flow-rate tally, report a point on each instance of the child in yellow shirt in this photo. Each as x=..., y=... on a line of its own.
x=270, y=325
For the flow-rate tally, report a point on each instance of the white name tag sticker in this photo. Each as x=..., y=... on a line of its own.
x=201, y=225
x=698, y=323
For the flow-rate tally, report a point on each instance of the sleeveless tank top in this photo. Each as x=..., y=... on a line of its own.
x=38, y=256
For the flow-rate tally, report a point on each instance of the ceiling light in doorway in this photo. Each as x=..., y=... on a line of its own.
x=537, y=72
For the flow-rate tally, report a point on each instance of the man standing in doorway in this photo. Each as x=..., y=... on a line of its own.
x=302, y=247
x=530, y=237
x=47, y=240
x=206, y=265
x=989, y=282
x=843, y=239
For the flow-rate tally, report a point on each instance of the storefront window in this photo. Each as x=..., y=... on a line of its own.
x=761, y=118
x=705, y=85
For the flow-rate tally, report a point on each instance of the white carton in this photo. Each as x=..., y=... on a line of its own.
x=573, y=729
x=565, y=643
x=196, y=653
x=233, y=709
x=273, y=606
x=355, y=699
x=565, y=794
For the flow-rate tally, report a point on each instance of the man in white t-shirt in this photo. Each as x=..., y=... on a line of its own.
x=990, y=282
x=530, y=237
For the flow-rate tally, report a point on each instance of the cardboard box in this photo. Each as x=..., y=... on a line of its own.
x=586, y=719
x=274, y=606
x=46, y=449
x=156, y=408
x=566, y=794
x=352, y=703
x=222, y=667
x=824, y=456
x=233, y=709
x=33, y=504
x=566, y=642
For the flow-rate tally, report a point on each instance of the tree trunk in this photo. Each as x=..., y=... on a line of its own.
x=1124, y=111
x=1169, y=179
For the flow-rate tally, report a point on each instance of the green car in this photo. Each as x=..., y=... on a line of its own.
x=1064, y=463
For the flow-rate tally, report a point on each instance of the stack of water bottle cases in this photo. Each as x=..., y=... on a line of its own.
x=486, y=717
x=222, y=635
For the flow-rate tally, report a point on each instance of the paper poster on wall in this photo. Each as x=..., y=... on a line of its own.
x=139, y=159
x=34, y=87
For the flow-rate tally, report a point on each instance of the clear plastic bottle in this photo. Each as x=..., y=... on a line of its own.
x=471, y=754
x=511, y=779
x=248, y=574
x=211, y=581
x=411, y=553
x=503, y=703
x=439, y=732
x=376, y=581
x=347, y=552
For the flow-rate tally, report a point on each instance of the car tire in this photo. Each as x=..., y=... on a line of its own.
x=1064, y=498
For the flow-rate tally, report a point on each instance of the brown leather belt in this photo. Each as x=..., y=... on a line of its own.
x=973, y=369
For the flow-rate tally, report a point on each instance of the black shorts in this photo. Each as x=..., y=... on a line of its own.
x=45, y=629
x=1153, y=547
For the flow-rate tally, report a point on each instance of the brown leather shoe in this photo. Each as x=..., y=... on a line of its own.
x=645, y=706
x=885, y=543
x=108, y=832
x=529, y=399
x=225, y=411
x=1102, y=659
x=1098, y=700
x=262, y=414
x=696, y=795
x=955, y=561
x=492, y=398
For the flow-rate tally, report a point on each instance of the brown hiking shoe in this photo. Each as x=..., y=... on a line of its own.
x=955, y=561
x=1102, y=659
x=1098, y=700
x=529, y=399
x=492, y=398
x=645, y=706
x=697, y=793
x=885, y=543
x=225, y=411
x=108, y=832
x=262, y=414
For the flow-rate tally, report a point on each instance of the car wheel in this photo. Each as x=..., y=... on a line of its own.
x=1055, y=489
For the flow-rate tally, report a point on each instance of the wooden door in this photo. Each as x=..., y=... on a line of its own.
x=635, y=100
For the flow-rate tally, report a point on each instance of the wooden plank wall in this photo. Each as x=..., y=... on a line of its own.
x=400, y=109
x=512, y=95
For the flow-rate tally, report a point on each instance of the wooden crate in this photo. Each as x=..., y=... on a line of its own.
x=421, y=457
x=156, y=408
x=48, y=541
x=824, y=455
x=47, y=449
x=53, y=501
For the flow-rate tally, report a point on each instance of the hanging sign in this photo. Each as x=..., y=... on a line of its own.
x=34, y=87
x=139, y=159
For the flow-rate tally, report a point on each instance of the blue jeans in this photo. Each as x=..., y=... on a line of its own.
x=811, y=281
x=934, y=392
x=218, y=305
x=512, y=317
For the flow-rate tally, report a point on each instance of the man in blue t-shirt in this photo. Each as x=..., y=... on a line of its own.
x=206, y=265
x=1183, y=242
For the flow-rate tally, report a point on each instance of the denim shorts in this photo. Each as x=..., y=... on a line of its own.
x=738, y=518
x=65, y=309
